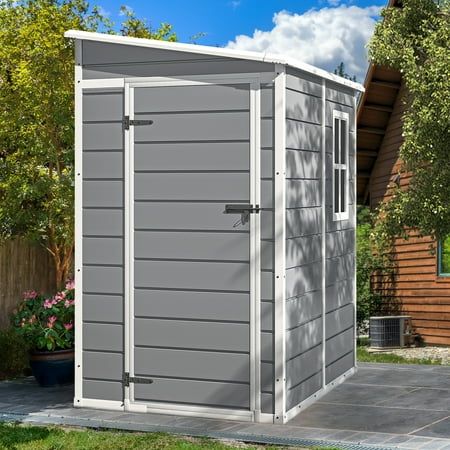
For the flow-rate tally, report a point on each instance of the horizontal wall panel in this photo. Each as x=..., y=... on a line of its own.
x=340, y=268
x=300, y=280
x=103, y=308
x=103, y=165
x=303, y=164
x=102, y=222
x=103, y=390
x=175, y=68
x=266, y=108
x=173, y=156
x=192, y=364
x=303, y=82
x=304, y=390
x=102, y=106
x=105, y=366
x=303, y=136
x=304, y=366
x=192, y=275
x=233, y=337
x=339, y=94
x=216, y=126
x=193, y=186
x=267, y=403
x=302, y=193
x=267, y=163
x=303, y=308
x=339, y=367
x=340, y=243
x=303, y=338
x=267, y=286
x=303, y=250
x=266, y=224
x=339, y=320
x=267, y=316
x=267, y=194
x=339, y=345
x=267, y=255
x=192, y=98
x=102, y=194
x=103, y=250
x=190, y=216
x=303, y=222
x=206, y=393
x=267, y=133
x=192, y=245
x=191, y=305
x=301, y=106
x=103, y=336
x=103, y=136
x=267, y=376
x=103, y=280
x=267, y=347
x=339, y=294
x=108, y=53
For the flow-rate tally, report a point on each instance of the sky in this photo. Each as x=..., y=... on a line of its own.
x=319, y=32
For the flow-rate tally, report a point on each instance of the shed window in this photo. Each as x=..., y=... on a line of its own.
x=444, y=257
x=340, y=165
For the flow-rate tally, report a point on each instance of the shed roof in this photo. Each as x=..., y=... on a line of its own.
x=213, y=51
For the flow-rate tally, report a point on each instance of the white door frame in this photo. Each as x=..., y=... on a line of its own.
x=254, y=412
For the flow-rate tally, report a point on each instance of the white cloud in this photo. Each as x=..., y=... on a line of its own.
x=322, y=37
x=235, y=3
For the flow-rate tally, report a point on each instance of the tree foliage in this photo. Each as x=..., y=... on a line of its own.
x=37, y=116
x=340, y=70
x=415, y=40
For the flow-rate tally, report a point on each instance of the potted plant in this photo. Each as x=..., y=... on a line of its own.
x=47, y=325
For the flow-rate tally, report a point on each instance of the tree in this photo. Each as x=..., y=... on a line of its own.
x=37, y=116
x=415, y=40
x=340, y=71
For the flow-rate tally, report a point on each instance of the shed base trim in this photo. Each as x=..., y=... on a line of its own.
x=295, y=410
x=94, y=403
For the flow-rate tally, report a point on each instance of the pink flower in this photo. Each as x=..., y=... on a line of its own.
x=29, y=295
x=58, y=297
x=68, y=326
x=48, y=303
x=70, y=285
x=51, y=321
x=69, y=303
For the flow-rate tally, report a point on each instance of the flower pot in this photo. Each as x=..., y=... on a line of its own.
x=53, y=368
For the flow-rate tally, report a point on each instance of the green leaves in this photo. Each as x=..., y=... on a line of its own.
x=414, y=40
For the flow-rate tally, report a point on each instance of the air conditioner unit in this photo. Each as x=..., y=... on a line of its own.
x=390, y=331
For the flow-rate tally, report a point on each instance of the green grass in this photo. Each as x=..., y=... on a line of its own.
x=25, y=437
x=365, y=356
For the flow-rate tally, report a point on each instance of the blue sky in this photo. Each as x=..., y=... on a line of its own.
x=321, y=32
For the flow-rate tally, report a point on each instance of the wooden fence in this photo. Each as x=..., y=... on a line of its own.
x=23, y=266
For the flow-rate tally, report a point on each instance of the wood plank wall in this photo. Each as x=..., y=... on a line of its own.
x=23, y=266
x=416, y=286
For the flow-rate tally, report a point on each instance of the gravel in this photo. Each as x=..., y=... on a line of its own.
x=436, y=353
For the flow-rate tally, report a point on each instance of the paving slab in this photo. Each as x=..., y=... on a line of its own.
x=421, y=398
x=439, y=429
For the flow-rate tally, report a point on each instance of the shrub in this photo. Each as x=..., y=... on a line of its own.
x=14, y=354
x=46, y=323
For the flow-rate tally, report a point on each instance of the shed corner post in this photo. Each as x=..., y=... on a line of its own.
x=78, y=225
x=280, y=244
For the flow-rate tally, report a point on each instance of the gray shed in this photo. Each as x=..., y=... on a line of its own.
x=215, y=229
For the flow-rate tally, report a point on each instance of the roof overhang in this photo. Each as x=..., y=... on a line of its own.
x=213, y=51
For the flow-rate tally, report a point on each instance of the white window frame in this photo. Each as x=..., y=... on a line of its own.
x=341, y=215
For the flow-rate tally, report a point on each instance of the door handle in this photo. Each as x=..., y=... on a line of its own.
x=242, y=208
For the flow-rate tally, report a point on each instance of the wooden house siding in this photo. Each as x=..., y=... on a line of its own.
x=415, y=288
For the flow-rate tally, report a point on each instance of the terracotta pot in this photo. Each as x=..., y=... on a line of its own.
x=53, y=368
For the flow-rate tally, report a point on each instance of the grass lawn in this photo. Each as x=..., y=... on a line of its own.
x=365, y=356
x=24, y=437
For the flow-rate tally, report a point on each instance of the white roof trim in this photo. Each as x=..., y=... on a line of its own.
x=214, y=51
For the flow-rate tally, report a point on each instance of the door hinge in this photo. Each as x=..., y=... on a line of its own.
x=127, y=122
x=126, y=380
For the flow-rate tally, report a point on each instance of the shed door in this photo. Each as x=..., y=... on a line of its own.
x=191, y=273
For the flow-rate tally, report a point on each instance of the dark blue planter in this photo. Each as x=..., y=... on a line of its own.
x=53, y=368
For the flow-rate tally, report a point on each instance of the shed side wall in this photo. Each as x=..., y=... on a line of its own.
x=103, y=263
x=340, y=249
x=303, y=237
